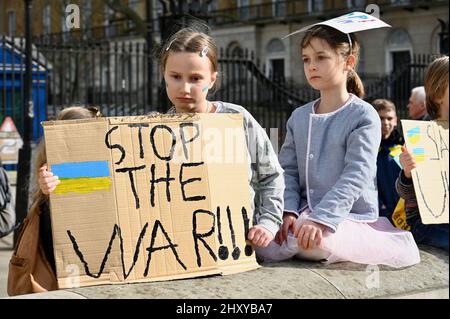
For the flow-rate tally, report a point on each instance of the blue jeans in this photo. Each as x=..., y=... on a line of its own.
x=432, y=234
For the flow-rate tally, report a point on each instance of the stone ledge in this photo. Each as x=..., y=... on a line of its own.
x=291, y=280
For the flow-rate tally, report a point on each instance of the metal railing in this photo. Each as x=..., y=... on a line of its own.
x=113, y=76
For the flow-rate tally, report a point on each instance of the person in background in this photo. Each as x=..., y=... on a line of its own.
x=7, y=211
x=387, y=166
x=416, y=106
x=32, y=266
x=436, y=87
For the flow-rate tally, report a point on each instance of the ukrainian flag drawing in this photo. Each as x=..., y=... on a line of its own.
x=414, y=135
x=419, y=154
x=82, y=177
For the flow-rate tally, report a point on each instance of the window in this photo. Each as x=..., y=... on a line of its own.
x=243, y=12
x=235, y=49
x=132, y=4
x=212, y=6
x=439, y=38
x=64, y=26
x=158, y=10
x=46, y=17
x=275, y=46
x=400, y=2
x=109, y=28
x=361, y=67
x=315, y=6
x=87, y=17
x=397, y=41
x=278, y=8
x=356, y=3
x=275, y=62
x=12, y=23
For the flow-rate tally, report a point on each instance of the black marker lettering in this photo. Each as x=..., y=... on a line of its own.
x=152, y=141
x=105, y=257
x=191, y=180
x=444, y=147
x=151, y=249
x=201, y=237
x=236, y=251
x=248, y=248
x=223, y=250
x=444, y=180
x=136, y=251
x=141, y=147
x=119, y=147
x=183, y=139
x=154, y=181
x=130, y=170
x=435, y=144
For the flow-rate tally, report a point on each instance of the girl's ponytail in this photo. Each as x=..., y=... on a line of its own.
x=354, y=84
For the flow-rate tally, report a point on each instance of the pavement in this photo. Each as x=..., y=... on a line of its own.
x=288, y=280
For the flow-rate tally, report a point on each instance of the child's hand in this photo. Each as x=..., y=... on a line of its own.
x=47, y=182
x=259, y=236
x=289, y=220
x=309, y=234
x=408, y=162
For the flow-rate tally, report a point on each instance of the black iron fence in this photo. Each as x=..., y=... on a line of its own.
x=397, y=86
x=113, y=76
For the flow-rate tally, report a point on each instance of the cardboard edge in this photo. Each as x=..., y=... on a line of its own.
x=232, y=269
x=50, y=124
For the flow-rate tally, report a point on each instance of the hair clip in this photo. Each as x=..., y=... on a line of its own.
x=94, y=110
x=170, y=44
x=204, y=51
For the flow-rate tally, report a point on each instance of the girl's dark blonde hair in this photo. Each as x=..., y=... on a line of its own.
x=69, y=113
x=435, y=83
x=339, y=42
x=189, y=40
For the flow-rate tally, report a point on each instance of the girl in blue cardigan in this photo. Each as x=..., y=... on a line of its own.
x=329, y=161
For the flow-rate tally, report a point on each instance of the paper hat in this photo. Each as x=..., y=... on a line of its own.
x=349, y=23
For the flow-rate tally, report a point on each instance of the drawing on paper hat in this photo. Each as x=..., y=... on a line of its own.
x=348, y=23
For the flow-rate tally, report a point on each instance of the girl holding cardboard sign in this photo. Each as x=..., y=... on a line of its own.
x=329, y=157
x=189, y=64
x=436, y=89
x=32, y=265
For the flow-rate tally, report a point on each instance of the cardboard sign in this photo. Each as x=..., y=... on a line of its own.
x=428, y=142
x=10, y=142
x=355, y=22
x=149, y=198
x=348, y=23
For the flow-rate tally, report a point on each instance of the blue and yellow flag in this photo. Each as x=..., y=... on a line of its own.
x=82, y=177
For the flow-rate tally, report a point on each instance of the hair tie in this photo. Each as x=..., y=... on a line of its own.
x=94, y=110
